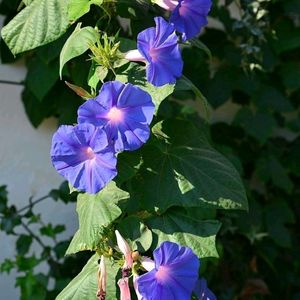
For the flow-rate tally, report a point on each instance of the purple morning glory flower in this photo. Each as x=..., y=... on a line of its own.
x=202, y=292
x=158, y=47
x=83, y=156
x=125, y=112
x=189, y=16
x=174, y=275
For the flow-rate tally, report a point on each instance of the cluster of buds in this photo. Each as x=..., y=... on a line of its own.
x=126, y=250
x=174, y=268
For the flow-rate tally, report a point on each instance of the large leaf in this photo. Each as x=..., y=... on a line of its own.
x=182, y=169
x=78, y=8
x=176, y=227
x=37, y=69
x=95, y=213
x=78, y=42
x=39, y=23
x=135, y=74
x=84, y=285
x=27, y=2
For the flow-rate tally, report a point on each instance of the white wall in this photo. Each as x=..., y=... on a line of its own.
x=25, y=166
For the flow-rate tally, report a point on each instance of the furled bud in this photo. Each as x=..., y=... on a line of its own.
x=101, y=292
x=166, y=4
x=124, y=289
x=125, y=249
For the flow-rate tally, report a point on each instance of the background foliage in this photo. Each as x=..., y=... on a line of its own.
x=254, y=74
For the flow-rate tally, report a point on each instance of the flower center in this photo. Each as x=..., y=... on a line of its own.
x=89, y=153
x=154, y=53
x=115, y=115
x=162, y=273
x=183, y=9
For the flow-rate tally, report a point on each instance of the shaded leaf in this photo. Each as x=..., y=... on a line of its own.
x=23, y=244
x=181, y=169
x=136, y=233
x=176, y=227
x=282, y=215
x=259, y=125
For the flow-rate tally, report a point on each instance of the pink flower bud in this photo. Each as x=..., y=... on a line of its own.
x=125, y=249
x=166, y=4
x=101, y=292
x=147, y=263
x=135, y=55
x=124, y=289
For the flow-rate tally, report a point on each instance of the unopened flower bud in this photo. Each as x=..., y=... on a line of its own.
x=101, y=292
x=166, y=4
x=125, y=249
x=135, y=255
x=124, y=289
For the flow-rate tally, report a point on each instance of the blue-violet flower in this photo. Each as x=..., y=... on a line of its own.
x=202, y=292
x=125, y=112
x=158, y=47
x=83, y=156
x=174, y=275
x=188, y=16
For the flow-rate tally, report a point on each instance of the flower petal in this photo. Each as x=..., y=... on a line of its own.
x=83, y=156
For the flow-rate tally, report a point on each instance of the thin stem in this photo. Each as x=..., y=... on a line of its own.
x=32, y=203
x=11, y=82
x=33, y=235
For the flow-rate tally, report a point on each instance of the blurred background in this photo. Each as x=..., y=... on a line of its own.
x=252, y=82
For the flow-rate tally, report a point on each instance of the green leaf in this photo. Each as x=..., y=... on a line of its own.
x=7, y=265
x=270, y=99
x=30, y=286
x=79, y=41
x=290, y=75
x=128, y=165
x=84, y=285
x=26, y=263
x=3, y=198
x=27, y=2
x=96, y=74
x=259, y=125
x=283, y=215
x=287, y=41
x=184, y=84
x=136, y=233
x=198, y=44
x=23, y=244
x=135, y=74
x=270, y=168
x=176, y=227
x=181, y=169
x=78, y=8
x=95, y=213
x=41, y=77
x=39, y=23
